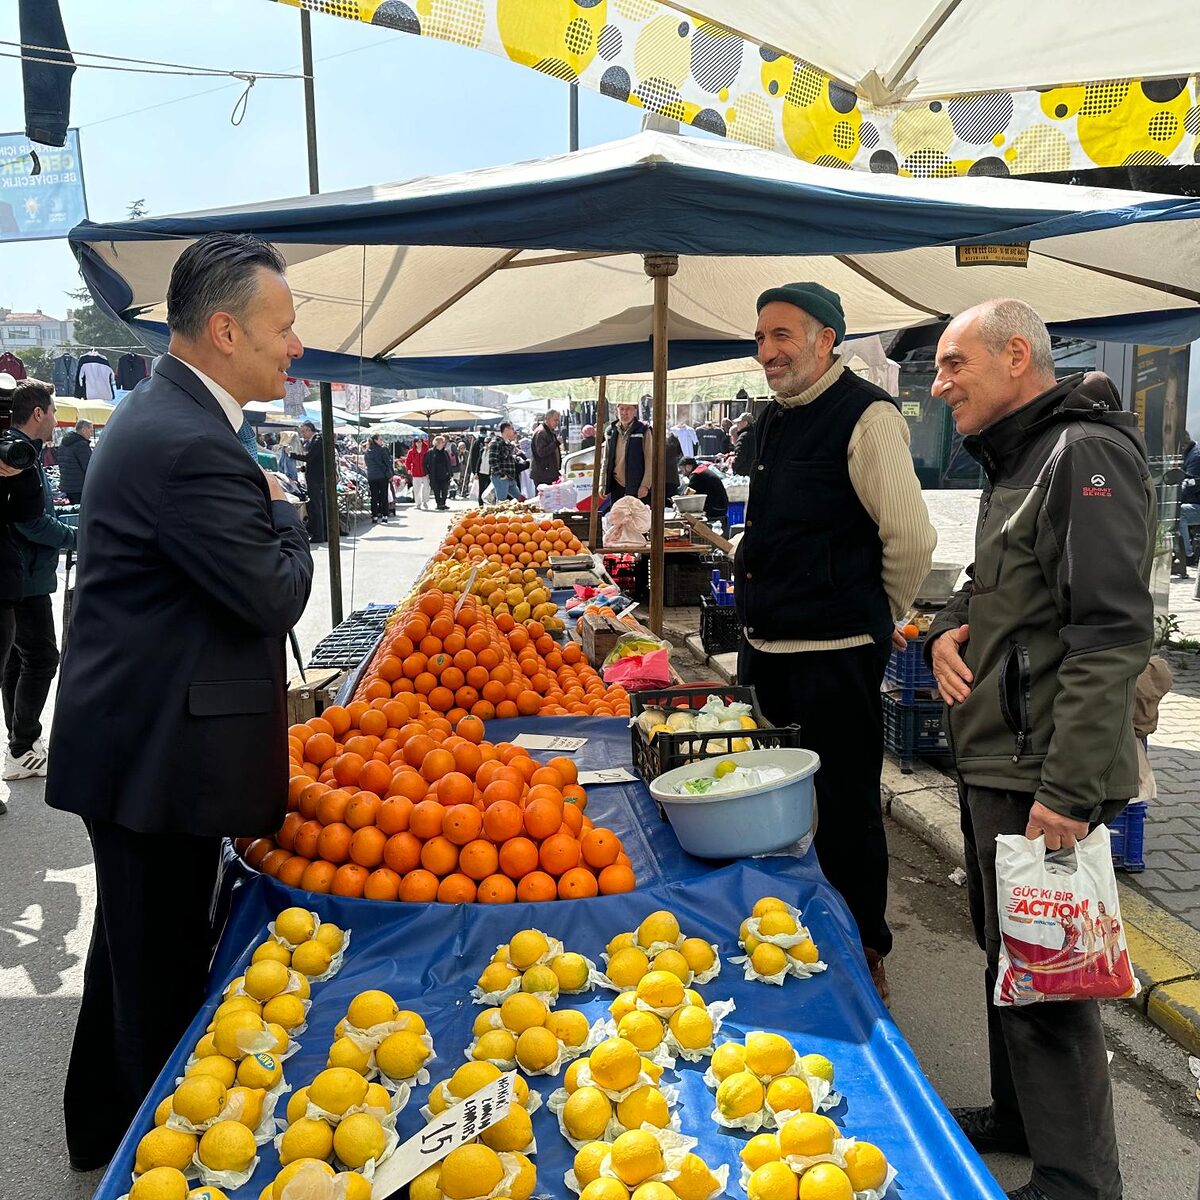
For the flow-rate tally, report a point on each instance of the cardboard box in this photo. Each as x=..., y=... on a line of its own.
x=303, y=692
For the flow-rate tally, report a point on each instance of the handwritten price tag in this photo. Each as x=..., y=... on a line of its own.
x=609, y=775
x=542, y=741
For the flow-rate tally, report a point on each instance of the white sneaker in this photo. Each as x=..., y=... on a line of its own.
x=31, y=764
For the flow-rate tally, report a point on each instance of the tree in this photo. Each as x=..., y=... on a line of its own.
x=38, y=363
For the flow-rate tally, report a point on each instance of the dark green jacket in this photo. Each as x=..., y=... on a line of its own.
x=1060, y=615
x=39, y=542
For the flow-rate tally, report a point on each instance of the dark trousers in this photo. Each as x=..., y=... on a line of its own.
x=145, y=979
x=485, y=482
x=1048, y=1061
x=379, y=497
x=441, y=491
x=318, y=527
x=29, y=670
x=833, y=695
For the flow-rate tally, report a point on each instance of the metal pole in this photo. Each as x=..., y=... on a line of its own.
x=595, y=529
x=660, y=267
x=329, y=449
x=573, y=117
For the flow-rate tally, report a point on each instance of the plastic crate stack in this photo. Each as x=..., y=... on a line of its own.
x=351, y=641
x=912, y=709
x=720, y=631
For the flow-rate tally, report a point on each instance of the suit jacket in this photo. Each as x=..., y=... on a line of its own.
x=171, y=713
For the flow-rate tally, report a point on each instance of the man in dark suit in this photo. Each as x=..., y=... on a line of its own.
x=313, y=459
x=170, y=727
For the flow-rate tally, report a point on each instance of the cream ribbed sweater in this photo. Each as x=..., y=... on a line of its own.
x=883, y=478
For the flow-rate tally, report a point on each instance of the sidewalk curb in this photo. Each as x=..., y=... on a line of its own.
x=1164, y=950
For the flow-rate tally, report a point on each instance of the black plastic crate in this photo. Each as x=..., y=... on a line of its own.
x=653, y=757
x=350, y=642
x=911, y=730
x=720, y=630
x=686, y=578
x=907, y=669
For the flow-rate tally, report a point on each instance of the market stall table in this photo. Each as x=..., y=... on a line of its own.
x=428, y=957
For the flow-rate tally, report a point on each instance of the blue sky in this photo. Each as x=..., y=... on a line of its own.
x=389, y=106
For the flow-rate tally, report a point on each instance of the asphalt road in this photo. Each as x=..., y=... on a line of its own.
x=46, y=896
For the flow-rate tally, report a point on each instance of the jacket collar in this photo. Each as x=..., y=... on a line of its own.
x=183, y=377
x=997, y=445
x=20, y=433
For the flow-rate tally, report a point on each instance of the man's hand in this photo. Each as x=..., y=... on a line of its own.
x=899, y=642
x=273, y=486
x=952, y=674
x=1061, y=832
x=643, y=492
x=8, y=472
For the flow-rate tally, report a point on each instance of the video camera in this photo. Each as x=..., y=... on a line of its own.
x=17, y=455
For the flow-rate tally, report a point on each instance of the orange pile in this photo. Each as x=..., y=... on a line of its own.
x=390, y=801
x=513, y=538
x=474, y=663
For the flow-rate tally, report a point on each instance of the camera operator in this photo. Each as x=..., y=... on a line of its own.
x=20, y=500
x=32, y=662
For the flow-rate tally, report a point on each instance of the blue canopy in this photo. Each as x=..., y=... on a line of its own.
x=535, y=270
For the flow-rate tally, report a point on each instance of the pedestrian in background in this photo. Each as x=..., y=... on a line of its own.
x=1037, y=658
x=74, y=454
x=313, y=458
x=439, y=471
x=379, y=476
x=414, y=464
x=477, y=464
x=546, y=450
x=628, y=456
x=505, y=464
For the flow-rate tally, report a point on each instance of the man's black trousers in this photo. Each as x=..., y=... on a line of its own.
x=379, y=497
x=833, y=695
x=29, y=670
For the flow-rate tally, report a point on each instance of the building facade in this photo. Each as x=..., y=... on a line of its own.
x=33, y=331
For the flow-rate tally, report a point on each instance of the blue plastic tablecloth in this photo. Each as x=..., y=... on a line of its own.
x=428, y=957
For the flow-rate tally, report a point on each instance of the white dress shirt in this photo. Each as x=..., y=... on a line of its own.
x=229, y=406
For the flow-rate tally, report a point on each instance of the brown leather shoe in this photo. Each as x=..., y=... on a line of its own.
x=878, y=974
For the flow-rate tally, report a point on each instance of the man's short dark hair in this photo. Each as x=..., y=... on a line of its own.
x=217, y=273
x=308, y=425
x=30, y=394
x=505, y=425
x=688, y=462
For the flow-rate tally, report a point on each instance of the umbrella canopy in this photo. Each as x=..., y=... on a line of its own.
x=393, y=429
x=67, y=412
x=535, y=270
x=435, y=410
x=935, y=49
x=275, y=412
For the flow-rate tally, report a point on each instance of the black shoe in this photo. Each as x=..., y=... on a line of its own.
x=878, y=974
x=1030, y=1191
x=87, y=1166
x=990, y=1136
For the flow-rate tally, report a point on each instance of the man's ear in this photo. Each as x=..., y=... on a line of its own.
x=1019, y=355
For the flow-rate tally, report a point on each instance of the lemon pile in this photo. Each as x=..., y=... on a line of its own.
x=302, y=942
x=658, y=944
x=352, y=1121
x=693, y=1179
x=534, y=963
x=513, y=1132
x=776, y=942
x=317, y=1180
x=772, y=1170
x=475, y=1170
x=377, y=1034
x=522, y=1031
x=765, y=1076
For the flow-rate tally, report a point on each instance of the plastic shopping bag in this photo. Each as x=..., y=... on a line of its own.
x=640, y=672
x=1061, y=936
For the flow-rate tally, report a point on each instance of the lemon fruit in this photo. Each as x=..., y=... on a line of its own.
x=660, y=989
x=807, y=1134
x=768, y=904
x=768, y=959
x=540, y=979
x=496, y=977
x=295, y=925
x=311, y=959
x=285, y=1011
x=824, y=1181
x=522, y=1187
x=164, y=1147
x=160, y=1183
x=356, y=1186
x=299, y=985
x=163, y=1111
x=401, y=1055
x=526, y=947
x=358, y=1139
x=692, y=1028
x=470, y=1077
x=227, y=1146
x=330, y=936
x=725, y=767
x=586, y=1114
x=627, y=966
x=674, y=962
x=204, y=1047
x=425, y=1186
x=260, y=1071
x=511, y=1133
x=644, y=1106
x=272, y=951
x=572, y=972
x=761, y=1148
x=653, y=1191
x=199, y=1099
x=750, y=943
x=337, y=1089
x=371, y=1007
x=378, y=1097
x=620, y=942
x=768, y=1054
x=297, y=1105
x=569, y=1026
x=346, y=1053
x=521, y=1012
x=471, y=1170
x=866, y=1167
x=651, y=1069
x=636, y=1156
x=641, y=1028
x=695, y=1180
x=305, y=1138
x=536, y=1049
x=818, y=1066
x=245, y=1104
x=739, y=1095
x=805, y=951
x=497, y=1045
x=772, y=1181
x=236, y=1034
x=265, y=980
x=660, y=926
x=209, y=1193
x=411, y=1021
x=789, y=1093
x=615, y=1064
x=604, y=1189
x=282, y=1039
x=776, y=924
x=216, y=1065
x=626, y=1002
x=571, y=1078
x=727, y=1058
x=302, y=1168
x=698, y=955
x=587, y=1162
x=488, y=1019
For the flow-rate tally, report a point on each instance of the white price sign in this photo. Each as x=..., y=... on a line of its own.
x=542, y=741
x=609, y=775
x=467, y=590
x=446, y=1132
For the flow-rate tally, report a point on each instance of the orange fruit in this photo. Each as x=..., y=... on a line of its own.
x=292, y=871
x=334, y=843
x=572, y=819
x=577, y=884
x=462, y=823
x=558, y=854
x=542, y=819
x=407, y=783
x=305, y=839
x=402, y=852
x=478, y=859
x=502, y=820
x=617, y=878
x=383, y=884
x=518, y=856
x=362, y=810
x=375, y=777
x=366, y=846
x=436, y=763
x=600, y=847
x=456, y=788
x=320, y=748
x=529, y=703
x=419, y=886
x=350, y=880
x=286, y=836
x=318, y=876
x=439, y=855
x=537, y=885
x=456, y=889
x=332, y=806
x=496, y=889
x=470, y=728
x=416, y=748
x=425, y=820
x=393, y=815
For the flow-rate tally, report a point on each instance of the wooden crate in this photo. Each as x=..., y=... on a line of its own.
x=599, y=635
x=305, y=693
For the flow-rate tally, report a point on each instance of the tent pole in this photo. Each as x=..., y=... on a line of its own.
x=595, y=529
x=329, y=448
x=660, y=267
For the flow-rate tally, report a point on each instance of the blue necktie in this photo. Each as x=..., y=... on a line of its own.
x=247, y=438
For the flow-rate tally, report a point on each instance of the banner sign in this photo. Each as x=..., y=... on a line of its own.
x=45, y=205
x=1015, y=255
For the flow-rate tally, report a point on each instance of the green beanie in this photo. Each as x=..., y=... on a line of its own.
x=817, y=301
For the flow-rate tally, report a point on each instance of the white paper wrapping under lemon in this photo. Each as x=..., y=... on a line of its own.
x=823, y=1096
x=675, y=1148
x=532, y=1104
x=717, y=1011
x=493, y=999
x=721, y=1175
x=566, y=1054
x=263, y=1132
x=584, y=1079
x=785, y=940
x=335, y=962
x=795, y=968
x=227, y=1181
x=800, y=1164
x=292, y=945
x=370, y=1039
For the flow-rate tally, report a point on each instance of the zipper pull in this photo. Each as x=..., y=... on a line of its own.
x=1020, y=746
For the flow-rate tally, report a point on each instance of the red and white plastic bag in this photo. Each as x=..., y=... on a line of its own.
x=1061, y=935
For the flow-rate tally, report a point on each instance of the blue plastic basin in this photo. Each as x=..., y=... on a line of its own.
x=740, y=824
